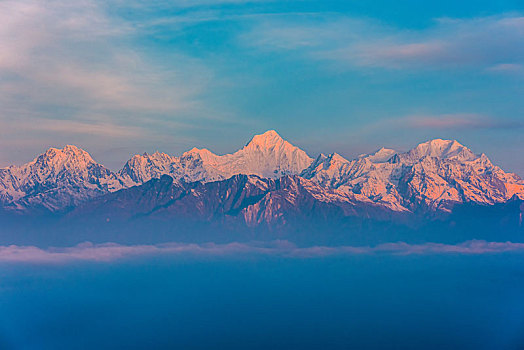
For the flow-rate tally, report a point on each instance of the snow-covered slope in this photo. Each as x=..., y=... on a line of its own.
x=433, y=175
x=142, y=168
x=266, y=155
x=57, y=179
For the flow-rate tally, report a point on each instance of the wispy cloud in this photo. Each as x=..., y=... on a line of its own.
x=473, y=42
x=458, y=121
x=512, y=69
x=441, y=124
x=110, y=251
x=99, y=127
x=74, y=59
x=77, y=49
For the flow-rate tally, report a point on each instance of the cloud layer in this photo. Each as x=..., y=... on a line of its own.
x=110, y=251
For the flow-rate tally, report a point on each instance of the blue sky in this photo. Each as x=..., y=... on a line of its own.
x=124, y=77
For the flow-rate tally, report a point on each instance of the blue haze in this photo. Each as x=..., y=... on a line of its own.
x=354, y=302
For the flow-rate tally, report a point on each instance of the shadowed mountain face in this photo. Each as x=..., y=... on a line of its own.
x=269, y=187
x=245, y=199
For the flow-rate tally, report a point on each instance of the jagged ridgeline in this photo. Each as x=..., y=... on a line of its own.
x=268, y=188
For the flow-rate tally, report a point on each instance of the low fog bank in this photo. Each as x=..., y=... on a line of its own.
x=111, y=251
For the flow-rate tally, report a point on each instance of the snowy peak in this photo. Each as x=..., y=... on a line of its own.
x=268, y=155
x=329, y=161
x=57, y=164
x=266, y=140
x=142, y=168
x=204, y=154
x=381, y=156
x=271, y=145
x=335, y=157
x=443, y=149
x=69, y=157
x=56, y=179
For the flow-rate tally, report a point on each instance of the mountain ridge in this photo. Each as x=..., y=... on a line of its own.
x=266, y=155
x=434, y=175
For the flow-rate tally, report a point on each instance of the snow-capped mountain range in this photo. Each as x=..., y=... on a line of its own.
x=266, y=155
x=434, y=175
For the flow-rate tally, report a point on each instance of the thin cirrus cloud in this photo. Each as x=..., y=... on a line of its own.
x=81, y=127
x=511, y=69
x=110, y=251
x=494, y=41
x=459, y=121
x=448, y=122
